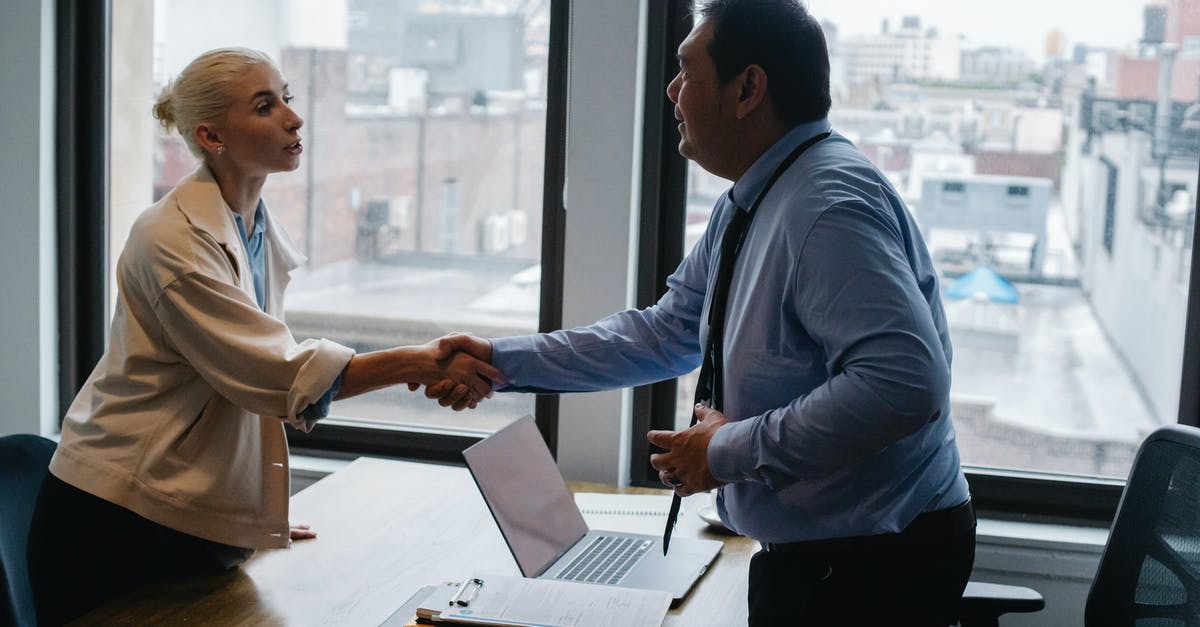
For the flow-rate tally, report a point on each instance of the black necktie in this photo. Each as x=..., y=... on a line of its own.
x=708, y=388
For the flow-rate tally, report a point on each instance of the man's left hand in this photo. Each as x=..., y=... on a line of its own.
x=684, y=465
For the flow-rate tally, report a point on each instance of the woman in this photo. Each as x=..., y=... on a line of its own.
x=173, y=457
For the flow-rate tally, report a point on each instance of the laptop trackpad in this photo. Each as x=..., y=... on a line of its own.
x=675, y=574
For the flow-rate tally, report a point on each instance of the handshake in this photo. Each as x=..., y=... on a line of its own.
x=459, y=372
x=460, y=375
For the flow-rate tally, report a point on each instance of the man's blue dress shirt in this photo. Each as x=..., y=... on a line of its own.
x=837, y=353
x=256, y=253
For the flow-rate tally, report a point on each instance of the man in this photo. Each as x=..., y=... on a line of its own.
x=834, y=448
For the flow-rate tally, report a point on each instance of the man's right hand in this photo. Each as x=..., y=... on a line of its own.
x=473, y=345
x=446, y=393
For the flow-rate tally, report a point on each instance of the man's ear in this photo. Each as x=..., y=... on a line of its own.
x=752, y=90
x=209, y=139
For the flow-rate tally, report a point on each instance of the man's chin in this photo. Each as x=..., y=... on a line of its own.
x=685, y=149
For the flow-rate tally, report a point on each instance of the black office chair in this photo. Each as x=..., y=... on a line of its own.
x=23, y=463
x=1149, y=573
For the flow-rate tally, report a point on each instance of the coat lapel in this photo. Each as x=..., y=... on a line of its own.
x=282, y=258
x=199, y=199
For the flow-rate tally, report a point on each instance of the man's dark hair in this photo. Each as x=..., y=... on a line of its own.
x=784, y=39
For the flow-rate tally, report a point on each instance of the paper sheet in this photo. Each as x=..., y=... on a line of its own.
x=631, y=513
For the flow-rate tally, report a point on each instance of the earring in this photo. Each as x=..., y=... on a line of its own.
x=220, y=150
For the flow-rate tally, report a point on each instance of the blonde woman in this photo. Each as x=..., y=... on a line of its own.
x=173, y=457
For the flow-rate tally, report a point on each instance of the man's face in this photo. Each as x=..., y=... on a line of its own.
x=697, y=94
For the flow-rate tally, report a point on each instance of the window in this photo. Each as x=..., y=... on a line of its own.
x=1019, y=174
x=1110, y=203
x=419, y=199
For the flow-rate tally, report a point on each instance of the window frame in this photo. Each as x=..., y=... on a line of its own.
x=83, y=33
x=998, y=493
x=663, y=212
x=83, y=83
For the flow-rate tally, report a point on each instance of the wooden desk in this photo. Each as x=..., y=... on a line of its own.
x=386, y=528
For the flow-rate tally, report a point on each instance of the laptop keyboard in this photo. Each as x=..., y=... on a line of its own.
x=607, y=560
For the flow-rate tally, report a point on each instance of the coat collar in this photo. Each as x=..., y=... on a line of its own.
x=200, y=199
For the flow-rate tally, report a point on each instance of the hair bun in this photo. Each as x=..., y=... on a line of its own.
x=164, y=107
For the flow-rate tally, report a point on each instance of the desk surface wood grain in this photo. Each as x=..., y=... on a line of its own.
x=385, y=528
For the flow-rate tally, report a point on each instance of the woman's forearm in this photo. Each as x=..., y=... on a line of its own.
x=367, y=372
x=418, y=365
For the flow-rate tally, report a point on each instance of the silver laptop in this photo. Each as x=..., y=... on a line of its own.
x=547, y=534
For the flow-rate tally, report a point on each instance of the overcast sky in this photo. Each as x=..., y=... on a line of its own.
x=1017, y=23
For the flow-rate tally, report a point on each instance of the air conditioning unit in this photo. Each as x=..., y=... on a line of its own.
x=399, y=216
x=518, y=227
x=495, y=234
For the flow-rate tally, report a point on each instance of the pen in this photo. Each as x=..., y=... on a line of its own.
x=457, y=598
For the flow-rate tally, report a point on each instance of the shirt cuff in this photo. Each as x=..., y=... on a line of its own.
x=730, y=456
x=320, y=407
x=507, y=354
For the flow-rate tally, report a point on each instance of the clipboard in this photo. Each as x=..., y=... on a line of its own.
x=406, y=615
x=520, y=602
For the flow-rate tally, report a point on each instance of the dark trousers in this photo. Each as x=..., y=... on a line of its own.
x=908, y=582
x=84, y=550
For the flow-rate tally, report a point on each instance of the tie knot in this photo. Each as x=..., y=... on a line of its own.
x=733, y=201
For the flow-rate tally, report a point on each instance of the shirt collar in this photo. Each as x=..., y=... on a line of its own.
x=747, y=188
x=260, y=225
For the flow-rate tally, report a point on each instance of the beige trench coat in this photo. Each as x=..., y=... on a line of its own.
x=182, y=419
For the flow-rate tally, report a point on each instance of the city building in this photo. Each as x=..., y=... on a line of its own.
x=911, y=53
x=995, y=65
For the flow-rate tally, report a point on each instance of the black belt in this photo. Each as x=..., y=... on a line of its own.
x=924, y=529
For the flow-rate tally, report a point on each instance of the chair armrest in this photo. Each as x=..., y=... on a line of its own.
x=986, y=601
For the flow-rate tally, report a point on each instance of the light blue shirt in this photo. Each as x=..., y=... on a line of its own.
x=837, y=353
x=256, y=253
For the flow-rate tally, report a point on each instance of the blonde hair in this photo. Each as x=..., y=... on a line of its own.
x=203, y=91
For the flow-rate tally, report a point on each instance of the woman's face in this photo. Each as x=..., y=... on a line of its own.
x=260, y=132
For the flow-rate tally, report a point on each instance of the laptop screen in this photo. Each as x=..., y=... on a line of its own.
x=527, y=495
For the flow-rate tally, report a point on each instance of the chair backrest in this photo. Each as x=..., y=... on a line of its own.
x=1149, y=574
x=23, y=463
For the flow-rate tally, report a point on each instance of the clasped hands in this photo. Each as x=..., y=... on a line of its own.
x=683, y=464
x=464, y=371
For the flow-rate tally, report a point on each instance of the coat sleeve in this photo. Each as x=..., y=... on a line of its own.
x=246, y=355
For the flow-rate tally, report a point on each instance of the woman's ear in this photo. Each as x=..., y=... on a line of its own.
x=208, y=139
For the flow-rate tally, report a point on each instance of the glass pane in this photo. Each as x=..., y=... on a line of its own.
x=1028, y=142
x=418, y=201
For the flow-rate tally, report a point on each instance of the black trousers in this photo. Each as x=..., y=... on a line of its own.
x=906, y=582
x=84, y=550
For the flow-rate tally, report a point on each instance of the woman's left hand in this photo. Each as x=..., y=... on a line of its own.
x=300, y=532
